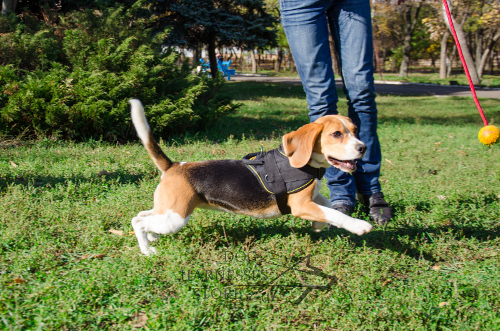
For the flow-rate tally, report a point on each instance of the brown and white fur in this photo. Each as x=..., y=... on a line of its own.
x=227, y=185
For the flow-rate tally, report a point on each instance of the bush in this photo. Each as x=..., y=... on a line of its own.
x=83, y=72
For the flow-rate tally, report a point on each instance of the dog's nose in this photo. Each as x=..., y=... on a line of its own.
x=361, y=148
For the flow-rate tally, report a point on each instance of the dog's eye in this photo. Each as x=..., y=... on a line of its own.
x=337, y=134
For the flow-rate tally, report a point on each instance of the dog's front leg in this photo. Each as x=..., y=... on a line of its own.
x=320, y=200
x=339, y=219
x=303, y=206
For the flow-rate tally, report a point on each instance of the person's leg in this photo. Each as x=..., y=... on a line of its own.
x=351, y=26
x=306, y=27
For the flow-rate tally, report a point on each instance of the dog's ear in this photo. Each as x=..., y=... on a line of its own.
x=298, y=145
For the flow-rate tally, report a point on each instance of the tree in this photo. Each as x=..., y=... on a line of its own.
x=477, y=25
x=214, y=23
x=487, y=33
x=8, y=6
x=438, y=33
x=463, y=42
x=69, y=73
x=398, y=31
x=411, y=10
x=273, y=8
x=386, y=31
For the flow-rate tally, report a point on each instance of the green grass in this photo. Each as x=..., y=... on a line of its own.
x=436, y=266
x=415, y=76
x=433, y=78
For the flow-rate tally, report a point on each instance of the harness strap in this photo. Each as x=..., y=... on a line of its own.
x=275, y=174
x=279, y=185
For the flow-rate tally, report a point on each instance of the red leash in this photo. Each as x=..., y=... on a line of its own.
x=452, y=27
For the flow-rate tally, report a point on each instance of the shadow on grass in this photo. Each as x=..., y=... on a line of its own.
x=118, y=176
x=257, y=128
x=400, y=240
x=413, y=241
x=242, y=91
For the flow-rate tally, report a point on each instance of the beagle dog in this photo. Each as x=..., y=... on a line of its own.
x=228, y=185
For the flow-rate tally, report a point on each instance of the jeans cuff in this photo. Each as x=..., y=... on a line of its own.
x=369, y=192
x=344, y=202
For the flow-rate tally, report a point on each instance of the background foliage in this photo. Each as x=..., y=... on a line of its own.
x=73, y=78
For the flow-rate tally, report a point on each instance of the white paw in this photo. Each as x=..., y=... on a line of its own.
x=145, y=213
x=149, y=251
x=358, y=227
x=153, y=236
x=318, y=226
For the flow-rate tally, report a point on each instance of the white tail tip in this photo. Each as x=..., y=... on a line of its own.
x=139, y=120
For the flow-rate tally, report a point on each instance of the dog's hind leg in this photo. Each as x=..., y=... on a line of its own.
x=151, y=236
x=146, y=213
x=169, y=222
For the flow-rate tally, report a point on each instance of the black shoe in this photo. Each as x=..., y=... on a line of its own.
x=378, y=208
x=343, y=208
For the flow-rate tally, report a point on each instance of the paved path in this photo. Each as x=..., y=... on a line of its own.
x=391, y=87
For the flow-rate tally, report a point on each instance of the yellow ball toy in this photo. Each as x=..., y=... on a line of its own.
x=489, y=135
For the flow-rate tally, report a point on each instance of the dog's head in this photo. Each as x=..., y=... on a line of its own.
x=330, y=140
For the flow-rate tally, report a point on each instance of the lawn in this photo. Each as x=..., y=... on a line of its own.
x=69, y=261
x=416, y=75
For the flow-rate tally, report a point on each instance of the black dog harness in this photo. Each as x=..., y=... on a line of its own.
x=275, y=174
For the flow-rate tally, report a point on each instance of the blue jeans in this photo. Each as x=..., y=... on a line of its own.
x=306, y=25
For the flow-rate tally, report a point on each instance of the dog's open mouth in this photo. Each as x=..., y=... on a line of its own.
x=347, y=166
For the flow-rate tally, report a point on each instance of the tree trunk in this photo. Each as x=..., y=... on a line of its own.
x=409, y=28
x=449, y=65
x=492, y=62
x=444, y=49
x=337, y=68
x=382, y=60
x=242, y=60
x=486, y=54
x=8, y=6
x=211, y=57
x=254, y=62
x=182, y=56
x=465, y=49
x=196, y=57
x=405, y=61
x=279, y=60
x=378, y=64
x=293, y=67
x=479, y=47
x=290, y=61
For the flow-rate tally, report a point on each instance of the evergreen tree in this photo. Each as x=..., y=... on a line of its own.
x=215, y=23
x=73, y=79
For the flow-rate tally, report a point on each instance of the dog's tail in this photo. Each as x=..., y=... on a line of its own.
x=161, y=161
